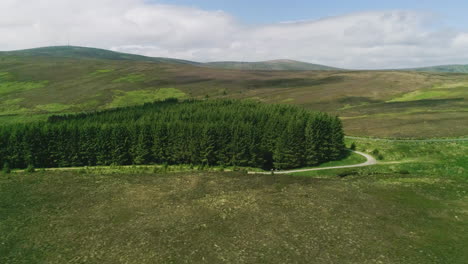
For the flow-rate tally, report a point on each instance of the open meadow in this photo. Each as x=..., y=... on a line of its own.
x=411, y=208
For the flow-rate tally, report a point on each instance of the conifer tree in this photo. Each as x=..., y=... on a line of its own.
x=211, y=132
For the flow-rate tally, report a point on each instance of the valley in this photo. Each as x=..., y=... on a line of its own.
x=390, y=104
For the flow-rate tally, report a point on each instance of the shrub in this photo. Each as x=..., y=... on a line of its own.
x=353, y=146
x=6, y=168
x=30, y=169
x=347, y=173
x=405, y=172
x=380, y=157
x=375, y=152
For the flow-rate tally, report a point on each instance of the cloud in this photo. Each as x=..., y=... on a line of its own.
x=380, y=39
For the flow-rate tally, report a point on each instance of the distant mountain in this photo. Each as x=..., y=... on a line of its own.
x=89, y=53
x=442, y=68
x=94, y=53
x=273, y=65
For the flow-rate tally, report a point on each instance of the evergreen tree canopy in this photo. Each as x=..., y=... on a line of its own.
x=210, y=132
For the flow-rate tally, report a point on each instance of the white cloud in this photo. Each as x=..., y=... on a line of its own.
x=380, y=39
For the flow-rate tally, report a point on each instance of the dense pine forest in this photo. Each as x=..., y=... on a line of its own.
x=205, y=133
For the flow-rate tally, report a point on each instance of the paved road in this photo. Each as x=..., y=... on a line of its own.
x=370, y=161
x=412, y=140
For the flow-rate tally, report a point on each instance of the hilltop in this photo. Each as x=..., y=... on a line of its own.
x=272, y=65
x=73, y=52
x=94, y=53
x=39, y=82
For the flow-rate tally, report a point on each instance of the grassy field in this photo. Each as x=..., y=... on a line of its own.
x=420, y=159
x=411, y=208
x=231, y=218
x=371, y=103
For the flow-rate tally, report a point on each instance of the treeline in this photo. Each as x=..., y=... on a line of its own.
x=212, y=132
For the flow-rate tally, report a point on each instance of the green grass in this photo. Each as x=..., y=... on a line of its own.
x=12, y=107
x=102, y=71
x=23, y=118
x=131, y=78
x=5, y=76
x=200, y=217
x=411, y=208
x=53, y=108
x=421, y=159
x=350, y=159
x=441, y=93
x=9, y=87
x=123, y=99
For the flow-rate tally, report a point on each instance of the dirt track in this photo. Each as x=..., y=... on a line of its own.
x=370, y=161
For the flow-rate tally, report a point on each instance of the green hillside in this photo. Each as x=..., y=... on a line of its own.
x=87, y=53
x=274, y=65
x=371, y=103
x=94, y=53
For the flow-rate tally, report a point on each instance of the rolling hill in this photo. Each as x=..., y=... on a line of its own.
x=73, y=52
x=444, y=68
x=40, y=82
x=273, y=65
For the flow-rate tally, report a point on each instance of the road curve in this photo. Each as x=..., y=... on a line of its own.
x=370, y=161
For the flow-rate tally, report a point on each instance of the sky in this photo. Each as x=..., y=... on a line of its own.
x=273, y=11
x=358, y=34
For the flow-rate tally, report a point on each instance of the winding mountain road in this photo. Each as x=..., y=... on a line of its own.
x=370, y=161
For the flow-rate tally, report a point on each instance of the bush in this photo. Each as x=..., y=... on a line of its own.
x=405, y=172
x=30, y=169
x=6, y=168
x=353, y=146
x=347, y=173
x=380, y=157
x=375, y=152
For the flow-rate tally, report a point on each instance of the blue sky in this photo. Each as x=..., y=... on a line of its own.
x=452, y=12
